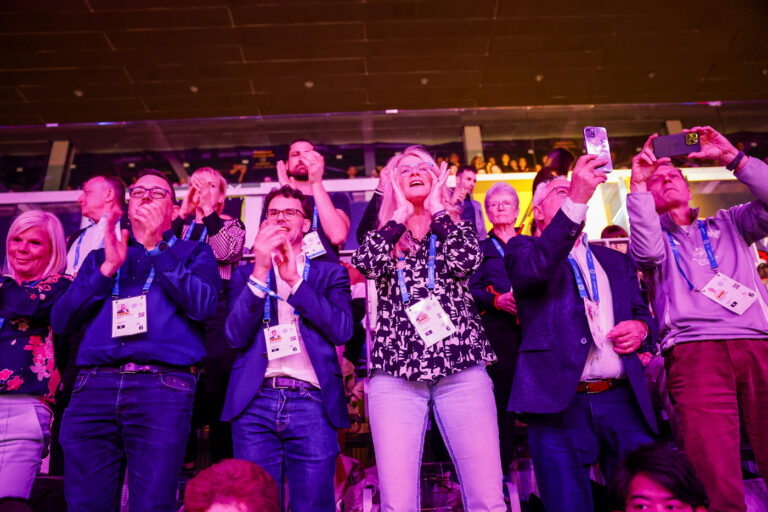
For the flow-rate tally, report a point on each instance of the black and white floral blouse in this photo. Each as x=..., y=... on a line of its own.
x=397, y=348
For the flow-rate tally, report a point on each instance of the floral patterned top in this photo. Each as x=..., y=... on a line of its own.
x=27, y=365
x=397, y=348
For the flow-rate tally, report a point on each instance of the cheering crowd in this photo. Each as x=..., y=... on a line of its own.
x=483, y=330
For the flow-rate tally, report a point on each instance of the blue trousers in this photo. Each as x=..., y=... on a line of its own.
x=287, y=433
x=138, y=421
x=600, y=427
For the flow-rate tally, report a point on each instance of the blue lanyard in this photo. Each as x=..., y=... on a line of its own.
x=314, y=218
x=150, y=278
x=430, y=271
x=188, y=234
x=707, y=248
x=270, y=293
x=592, y=276
x=2, y=320
x=80, y=241
x=498, y=246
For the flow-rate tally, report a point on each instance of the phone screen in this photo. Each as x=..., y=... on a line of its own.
x=596, y=143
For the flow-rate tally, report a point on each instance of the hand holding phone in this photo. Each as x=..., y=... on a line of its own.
x=596, y=143
x=676, y=145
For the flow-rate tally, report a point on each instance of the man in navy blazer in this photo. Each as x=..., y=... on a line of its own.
x=578, y=378
x=286, y=395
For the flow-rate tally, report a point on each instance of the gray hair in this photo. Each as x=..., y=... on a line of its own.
x=501, y=187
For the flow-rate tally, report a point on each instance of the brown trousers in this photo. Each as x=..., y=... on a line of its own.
x=711, y=383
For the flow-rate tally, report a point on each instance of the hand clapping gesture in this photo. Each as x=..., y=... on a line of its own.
x=115, y=251
x=434, y=201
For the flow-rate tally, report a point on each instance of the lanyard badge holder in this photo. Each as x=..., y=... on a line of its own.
x=203, y=236
x=591, y=304
x=429, y=318
x=311, y=245
x=283, y=339
x=721, y=289
x=129, y=314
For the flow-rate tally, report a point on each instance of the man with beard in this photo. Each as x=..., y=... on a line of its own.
x=330, y=218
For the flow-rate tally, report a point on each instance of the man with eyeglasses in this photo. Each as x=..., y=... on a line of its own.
x=712, y=305
x=466, y=177
x=286, y=396
x=132, y=399
x=329, y=217
x=578, y=378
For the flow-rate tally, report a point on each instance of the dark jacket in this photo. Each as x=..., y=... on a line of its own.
x=322, y=302
x=555, y=331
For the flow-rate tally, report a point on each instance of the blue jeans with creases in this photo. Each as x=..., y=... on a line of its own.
x=287, y=433
x=115, y=422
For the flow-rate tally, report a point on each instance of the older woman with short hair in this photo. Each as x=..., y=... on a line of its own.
x=492, y=292
x=35, y=257
x=429, y=349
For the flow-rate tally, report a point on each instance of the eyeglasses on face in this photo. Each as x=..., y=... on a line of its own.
x=421, y=167
x=495, y=205
x=288, y=213
x=138, y=192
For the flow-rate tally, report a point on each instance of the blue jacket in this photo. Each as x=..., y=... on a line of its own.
x=323, y=302
x=555, y=331
x=183, y=295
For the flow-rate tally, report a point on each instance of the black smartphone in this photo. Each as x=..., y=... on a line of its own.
x=676, y=145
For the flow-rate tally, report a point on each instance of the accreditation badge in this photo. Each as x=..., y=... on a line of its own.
x=431, y=321
x=282, y=340
x=312, y=246
x=730, y=294
x=129, y=316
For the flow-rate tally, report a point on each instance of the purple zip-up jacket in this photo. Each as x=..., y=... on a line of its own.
x=686, y=315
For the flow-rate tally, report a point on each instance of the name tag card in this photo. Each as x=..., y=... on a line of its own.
x=282, y=340
x=129, y=316
x=312, y=246
x=592, y=309
x=431, y=321
x=730, y=294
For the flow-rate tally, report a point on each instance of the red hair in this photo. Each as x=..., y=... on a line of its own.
x=235, y=482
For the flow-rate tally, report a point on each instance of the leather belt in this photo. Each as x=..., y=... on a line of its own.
x=598, y=386
x=287, y=383
x=146, y=368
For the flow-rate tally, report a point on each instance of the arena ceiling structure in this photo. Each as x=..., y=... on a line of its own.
x=65, y=61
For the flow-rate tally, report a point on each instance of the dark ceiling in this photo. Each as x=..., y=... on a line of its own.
x=112, y=60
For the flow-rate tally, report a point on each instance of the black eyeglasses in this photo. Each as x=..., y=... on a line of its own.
x=138, y=192
x=288, y=213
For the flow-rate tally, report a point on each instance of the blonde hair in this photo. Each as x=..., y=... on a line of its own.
x=389, y=204
x=220, y=180
x=49, y=223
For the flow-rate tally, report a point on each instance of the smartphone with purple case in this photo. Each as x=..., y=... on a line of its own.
x=596, y=143
x=676, y=145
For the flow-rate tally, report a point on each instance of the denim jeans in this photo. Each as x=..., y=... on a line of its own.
x=598, y=427
x=25, y=429
x=465, y=411
x=287, y=433
x=118, y=421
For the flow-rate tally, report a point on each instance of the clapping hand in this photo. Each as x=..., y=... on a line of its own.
x=403, y=207
x=115, y=251
x=434, y=201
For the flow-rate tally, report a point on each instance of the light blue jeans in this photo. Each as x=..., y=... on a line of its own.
x=465, y=412
x=25, y=429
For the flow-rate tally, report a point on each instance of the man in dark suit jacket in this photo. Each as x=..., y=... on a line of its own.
x=286, y=396
x=578, y=378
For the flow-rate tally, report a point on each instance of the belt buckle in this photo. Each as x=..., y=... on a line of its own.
x=135, y=368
